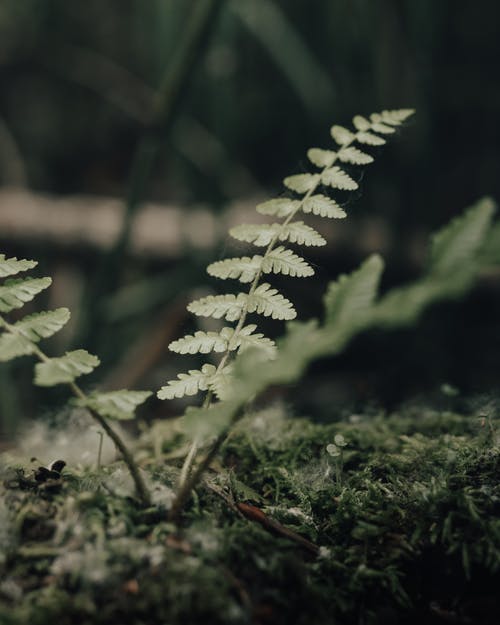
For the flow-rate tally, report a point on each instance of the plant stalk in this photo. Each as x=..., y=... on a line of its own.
x=194, y=477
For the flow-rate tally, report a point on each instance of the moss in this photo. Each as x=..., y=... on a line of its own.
x=409, y=533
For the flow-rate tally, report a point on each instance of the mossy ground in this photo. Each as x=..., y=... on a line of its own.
x=409, y=531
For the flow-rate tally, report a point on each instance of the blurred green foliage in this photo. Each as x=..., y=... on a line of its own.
x=79, y=81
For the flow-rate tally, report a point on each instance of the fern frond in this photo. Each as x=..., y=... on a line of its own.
x=391, y=118
x=323, y=206
x=188, y=383
x=286, y=262
x=321, y=158
x=203, y=342
x=12, y=266
x=65, y=369
x=341, y=135
x=258, y=341
x=279, y=207
x=43, y=324
x=368, y=138
x=14, y=345
x=353, y=156
x=279, y=260
x=20, y=338
x=361, y=123
x=396, y=117
x=247, y=337
x=264, y=300
x=268, y=302
x=302, y=183
x=220, y=384
x=119, y=405
x=18, y=341
x=15, y=293
x=348, y=299
x=258, y=234
x=458, y=242
x=301, y=233
x=338, y=179
x=243, y=269
x=262, y=234
x=218, y=306
x=378, y=126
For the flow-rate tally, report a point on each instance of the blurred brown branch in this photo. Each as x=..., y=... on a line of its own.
x=158, y=231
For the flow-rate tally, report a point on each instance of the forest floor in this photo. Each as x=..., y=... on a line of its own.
x=402, y=527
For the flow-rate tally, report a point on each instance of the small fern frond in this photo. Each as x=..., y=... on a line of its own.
x=460, y=239
x=268, y=302
x=65, y=369
x=299, y=232
x=15, y=293
x=286, y=262
x=220, y=384
x=353, y=156
x=264, y=300
x=14, y=345
x=302, y=183
x=43, y=324
x=243, y=269
x=228, y=306
x=279, y=207
x=247, y=337
x=341, y=135
x=279, y=260
x=321, y=158
x=391, y=118
x=203, y=342
x=262, y=235
x=258, y=234
x=368, y=138
x=323, y=206
x=337, y=178
x=395, y=118
x=12, y=266
x=119, y=405
x=20, y=339
x=188, y=383
x=348, y=299
x=258, y=341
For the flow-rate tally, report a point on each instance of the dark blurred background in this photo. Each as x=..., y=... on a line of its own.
x=132, y=133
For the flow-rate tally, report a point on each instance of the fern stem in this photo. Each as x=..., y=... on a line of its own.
x=193, y=479
x=140, y=486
